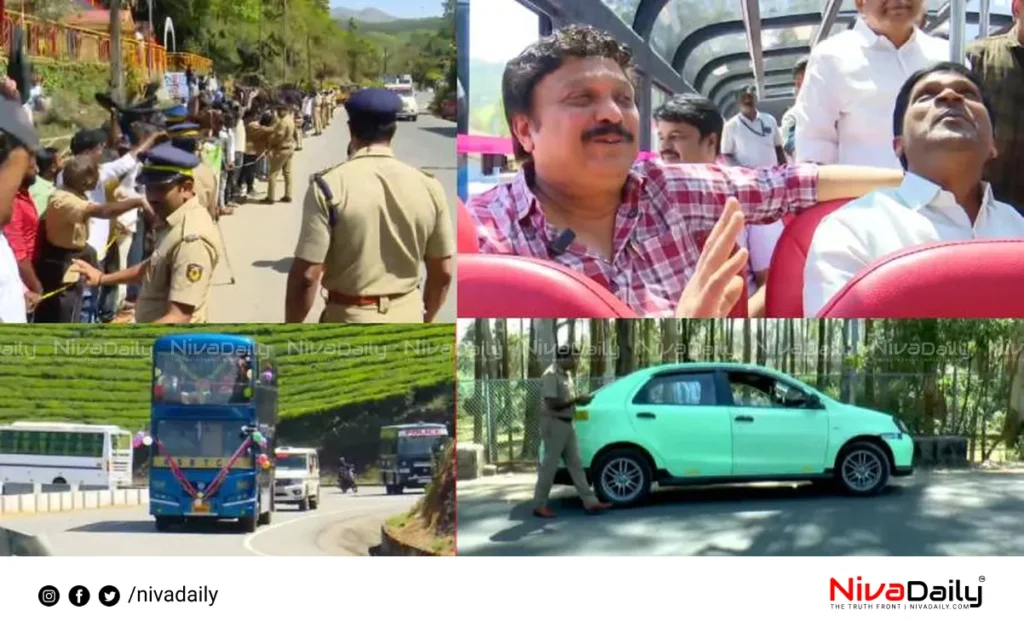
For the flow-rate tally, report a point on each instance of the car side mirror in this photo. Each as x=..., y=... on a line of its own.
x=814, y=402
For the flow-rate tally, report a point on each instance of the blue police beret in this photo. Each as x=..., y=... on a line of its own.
x=176, y=114
x=184, y=129
x=164, y=163
x=374, y=102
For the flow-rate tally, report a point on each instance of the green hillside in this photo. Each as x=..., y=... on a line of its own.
x=95, y=374
x=401, y=26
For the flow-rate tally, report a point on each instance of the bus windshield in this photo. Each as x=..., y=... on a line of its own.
x=423, y=446
x=199, y=438
x=291, y=462
x=206, y=378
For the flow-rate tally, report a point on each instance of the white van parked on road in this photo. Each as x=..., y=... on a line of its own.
x=297, y=477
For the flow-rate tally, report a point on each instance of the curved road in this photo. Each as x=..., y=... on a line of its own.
x=249, y=284
x=936, y=514
x=343, y=525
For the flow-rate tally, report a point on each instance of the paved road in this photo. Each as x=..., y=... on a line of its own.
x=975, y=514
x=344, y=525
x=260, y=240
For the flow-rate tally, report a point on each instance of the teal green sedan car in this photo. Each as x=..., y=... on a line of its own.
x=715, y=423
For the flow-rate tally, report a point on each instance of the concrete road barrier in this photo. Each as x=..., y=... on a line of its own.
x=469, y=460
x=72, y=499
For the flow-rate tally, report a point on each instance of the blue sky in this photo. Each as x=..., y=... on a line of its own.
x=397, y=8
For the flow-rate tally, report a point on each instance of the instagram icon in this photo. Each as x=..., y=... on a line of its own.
x=49, y=596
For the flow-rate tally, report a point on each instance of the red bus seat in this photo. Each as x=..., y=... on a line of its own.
x=784, y=292
x=508, y=287
x=466, y=234
x=946, y=280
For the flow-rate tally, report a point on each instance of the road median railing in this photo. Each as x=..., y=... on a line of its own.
x=38, y=500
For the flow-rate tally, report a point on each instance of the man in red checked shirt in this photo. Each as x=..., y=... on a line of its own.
x=639, y=226
x=22, y=233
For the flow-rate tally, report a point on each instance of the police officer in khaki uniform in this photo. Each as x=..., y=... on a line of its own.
x=318, y=112
x=176, y=279
x=279, y=153
x=297, y=128
x=328, y=107
x=368, y=240
x=63, y=238
x=186, y=137
x=557, y=411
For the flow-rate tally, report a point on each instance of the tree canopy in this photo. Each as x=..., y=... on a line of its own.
x=298, y=41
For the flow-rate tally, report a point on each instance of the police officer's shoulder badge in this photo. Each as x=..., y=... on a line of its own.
x=194, y=272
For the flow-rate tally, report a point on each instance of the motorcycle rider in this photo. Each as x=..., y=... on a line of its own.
x=346, y=474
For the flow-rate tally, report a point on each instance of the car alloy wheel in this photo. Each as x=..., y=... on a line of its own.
x=622, y=480
x=862, y=470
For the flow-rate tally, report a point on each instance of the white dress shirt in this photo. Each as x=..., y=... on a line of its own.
x=752, y=143
x=760, y=241
x=99, y=228
x=240, y=139
x=130, y=219
x=917, y=213
x=845, y=107
x=12, y=290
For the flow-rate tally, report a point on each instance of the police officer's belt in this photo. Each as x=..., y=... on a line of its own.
x=348, y=300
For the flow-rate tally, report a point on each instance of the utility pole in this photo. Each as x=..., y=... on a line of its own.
x=309, y=61
x=284, y=57
x=259, y=40
x=116, y=60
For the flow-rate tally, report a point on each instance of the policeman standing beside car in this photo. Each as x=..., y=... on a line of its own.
x=557, y=411
x=368, y=226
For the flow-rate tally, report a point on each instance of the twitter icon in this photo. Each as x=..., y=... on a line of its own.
x=109, y=596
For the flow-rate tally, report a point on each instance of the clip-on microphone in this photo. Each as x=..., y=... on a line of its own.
x=561, y=243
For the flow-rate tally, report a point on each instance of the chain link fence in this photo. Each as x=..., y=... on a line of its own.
x=501, y=415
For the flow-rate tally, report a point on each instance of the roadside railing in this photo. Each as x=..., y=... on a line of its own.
x=52, y=40
x=38, y=499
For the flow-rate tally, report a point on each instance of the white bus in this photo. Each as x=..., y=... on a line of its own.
x=65, y=453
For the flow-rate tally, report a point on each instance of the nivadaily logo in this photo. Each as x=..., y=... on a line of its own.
x=913, y=594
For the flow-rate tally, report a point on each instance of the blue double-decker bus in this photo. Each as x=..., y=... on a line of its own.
x=214, y=411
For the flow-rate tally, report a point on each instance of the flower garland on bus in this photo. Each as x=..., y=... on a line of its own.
x=253, y=437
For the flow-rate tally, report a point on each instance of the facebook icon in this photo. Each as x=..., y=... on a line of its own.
x=79, y=596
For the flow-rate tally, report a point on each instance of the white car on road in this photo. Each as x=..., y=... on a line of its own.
x=410, y=107
x=297, y=477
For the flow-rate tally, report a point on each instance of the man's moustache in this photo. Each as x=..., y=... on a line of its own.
x=608, y=130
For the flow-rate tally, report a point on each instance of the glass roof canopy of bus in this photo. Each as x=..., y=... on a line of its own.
x=709, y=44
